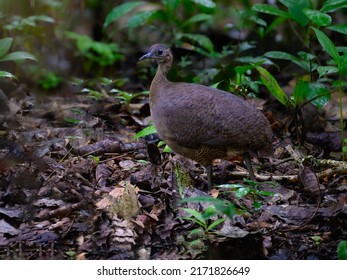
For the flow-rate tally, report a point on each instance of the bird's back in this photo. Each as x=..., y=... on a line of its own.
x=194, y=116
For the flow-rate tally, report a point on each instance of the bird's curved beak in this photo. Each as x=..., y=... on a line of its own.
x=146, y=56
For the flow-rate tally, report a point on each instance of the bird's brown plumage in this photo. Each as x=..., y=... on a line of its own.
x=204, y=123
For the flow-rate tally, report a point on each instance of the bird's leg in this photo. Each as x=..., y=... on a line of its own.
x=208, y=169
x=248, y=164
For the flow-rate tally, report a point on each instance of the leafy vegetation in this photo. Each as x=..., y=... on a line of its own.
x=5, y=55
x=288, y=53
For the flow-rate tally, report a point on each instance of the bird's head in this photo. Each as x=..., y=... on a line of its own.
x=158, y=52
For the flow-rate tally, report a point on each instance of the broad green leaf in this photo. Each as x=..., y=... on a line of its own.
x=316, y=92
x=119, y=11
x=331, y=5
x=197, y=18
x=296, y=10
x=200, y=39
x=271, y=84
x=319, y=18
x=5, y=74
x=326, y=70
x=341, y=28
x=342, y=250
x=5, y=45
x=271, y=10
x=327, y=45
x=142, y=17
x=17, y=56
x=146, y=131
x=206, y=3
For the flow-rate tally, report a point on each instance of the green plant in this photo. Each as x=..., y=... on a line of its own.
x=342, y=250
x=222, y=206
x=317, y=240
x=311, y=88
x=24, y=24
x=204, y=219
x=5, y=45
x=126, y=97
x=248, y=188
x=146, y=131
x=178, y=20
x=96, y=54
x=72, y=255
x=50, y=80
x=344, y=147
x=205, y=223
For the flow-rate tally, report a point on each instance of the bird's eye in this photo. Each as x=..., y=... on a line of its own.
x=160, y=52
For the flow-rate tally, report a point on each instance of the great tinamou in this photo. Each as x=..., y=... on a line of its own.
x=204, y=123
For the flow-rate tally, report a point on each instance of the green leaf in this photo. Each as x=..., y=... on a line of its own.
x=197, y=215
x=242, y=192
x=300, y=91
x=197, y=18
x=226, y=207
x=271, y=10
x=140, y=18
x=316, y=92
x=215, y=223
x=342, y=250
x=167, y=149
x=332, y=5
x=287, y=56
x=326, y=70
x=209, y=212
x=265, y=193
x=146, y=131
x=119, y=11
x=296, y=10
x=320, y=19
x=280, y=55
x=270, y=82
x=200, y=39
x=206, y=3
x=5, y=74
x=17, y=56
x=327, y=45
x=341, y=28
x=243, y=69
x=5, y=45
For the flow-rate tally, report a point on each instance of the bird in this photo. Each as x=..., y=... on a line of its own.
x=204, y=123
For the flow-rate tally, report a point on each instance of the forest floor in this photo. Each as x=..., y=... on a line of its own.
x=74, y=184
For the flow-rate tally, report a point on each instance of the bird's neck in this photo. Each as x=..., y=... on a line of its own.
x=160, y=78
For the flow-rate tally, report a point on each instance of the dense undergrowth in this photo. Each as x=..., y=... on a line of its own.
x=289, y=58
